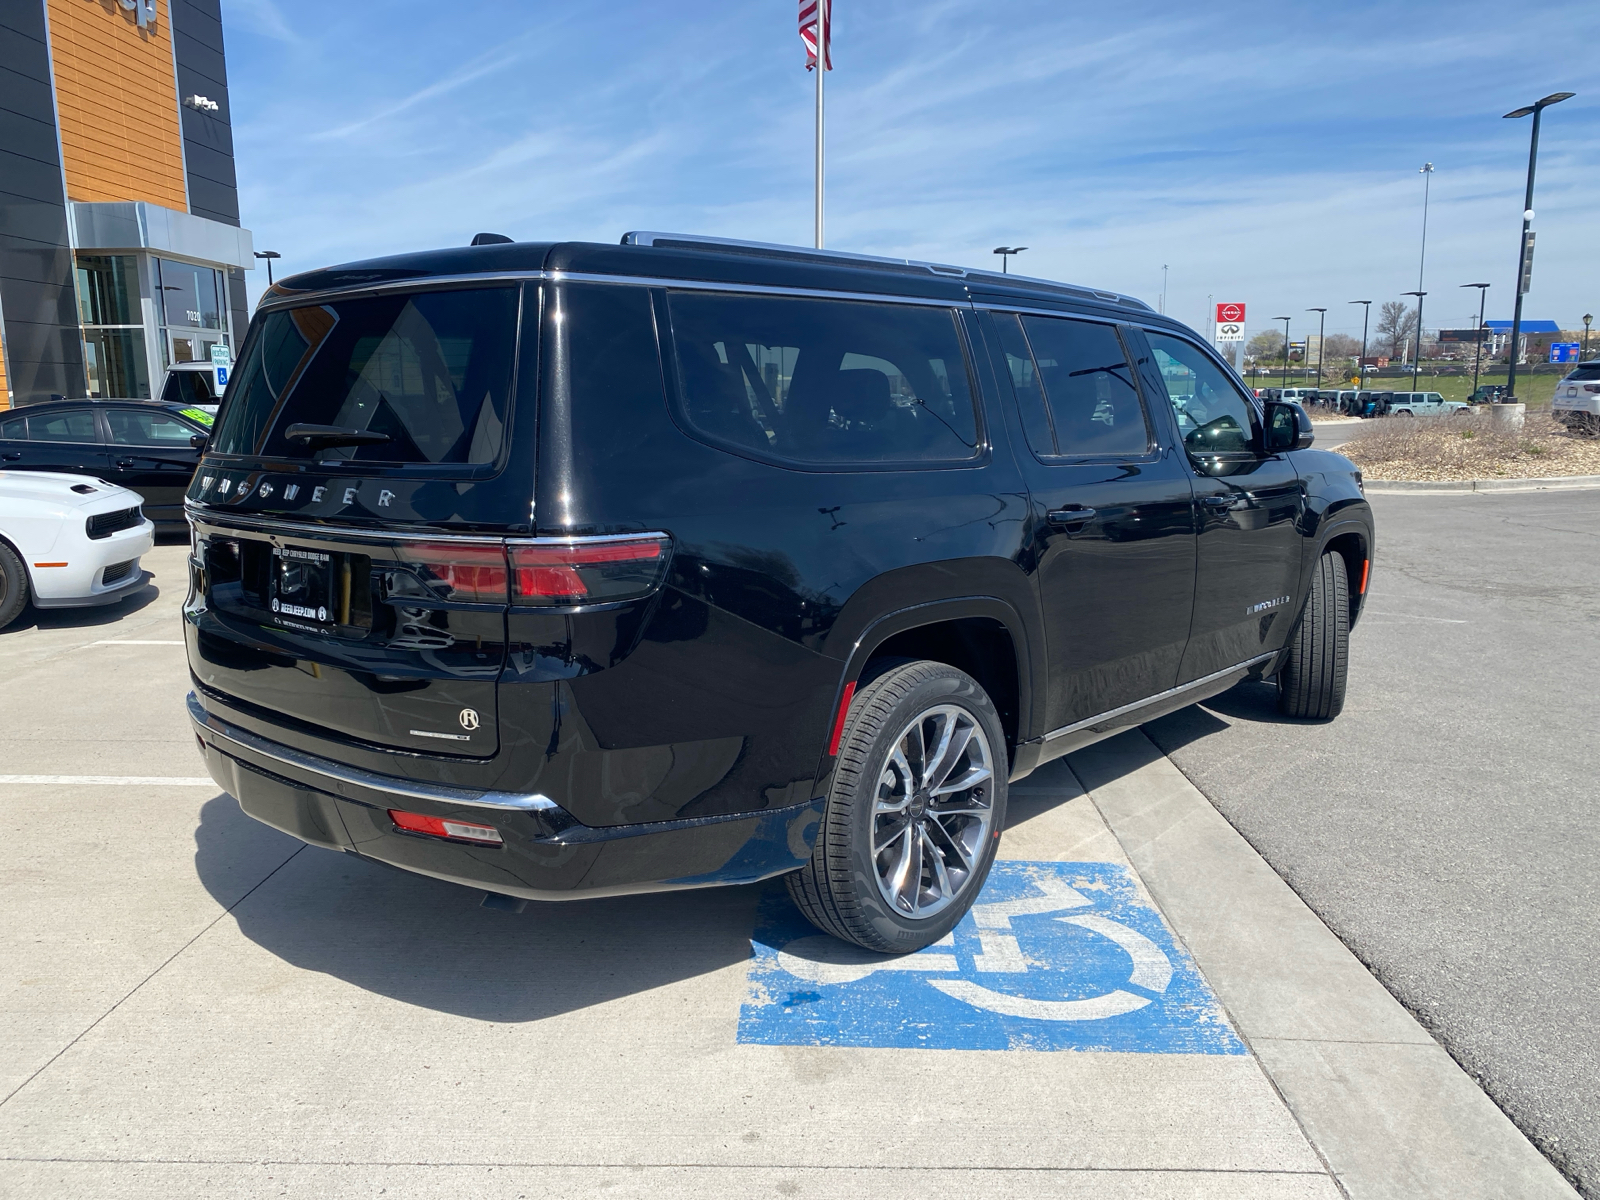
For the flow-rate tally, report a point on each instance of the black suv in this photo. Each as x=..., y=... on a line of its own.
x=564, y=570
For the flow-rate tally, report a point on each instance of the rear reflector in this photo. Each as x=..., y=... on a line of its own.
x=472, y=574
x=599, y=571
x=446, y=827
x=838, y=722
x=1366, y=566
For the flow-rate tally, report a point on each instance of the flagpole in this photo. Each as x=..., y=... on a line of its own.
x=822, y=69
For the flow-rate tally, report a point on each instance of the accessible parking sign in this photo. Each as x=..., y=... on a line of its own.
x=1053, y=956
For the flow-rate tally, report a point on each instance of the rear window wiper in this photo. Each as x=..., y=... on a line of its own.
x=334, y=435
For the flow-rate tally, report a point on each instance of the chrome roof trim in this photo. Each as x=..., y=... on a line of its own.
x=412, y=283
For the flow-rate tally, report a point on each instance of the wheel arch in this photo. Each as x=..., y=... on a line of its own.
x=1352, y=541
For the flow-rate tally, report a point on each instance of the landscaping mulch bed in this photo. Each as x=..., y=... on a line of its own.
x=1468, y=447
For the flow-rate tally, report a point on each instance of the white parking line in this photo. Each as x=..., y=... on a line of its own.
x=131, y=642
x=1418, y=617
x=116, y=780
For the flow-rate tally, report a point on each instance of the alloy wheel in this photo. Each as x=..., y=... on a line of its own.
x=932, y=812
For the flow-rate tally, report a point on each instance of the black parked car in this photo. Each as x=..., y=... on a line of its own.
x=564, y=570
x=139, y=444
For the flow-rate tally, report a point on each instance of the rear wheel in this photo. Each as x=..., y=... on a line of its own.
x=913, y=818
x=13, y=585
x=1311, y=681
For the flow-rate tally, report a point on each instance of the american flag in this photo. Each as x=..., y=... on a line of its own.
x=808, y=31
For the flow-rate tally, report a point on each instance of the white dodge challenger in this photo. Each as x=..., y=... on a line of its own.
x=68, y=541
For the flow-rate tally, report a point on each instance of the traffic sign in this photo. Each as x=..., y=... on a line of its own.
x=1230, y=314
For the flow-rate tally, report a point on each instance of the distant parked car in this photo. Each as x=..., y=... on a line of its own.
x=1577, y=399
x=1374, y=404
x=1489, y=393
x=1424, y=404
x=1345, y=400
x=141, y=444
x=192, y=383
x=68, y=541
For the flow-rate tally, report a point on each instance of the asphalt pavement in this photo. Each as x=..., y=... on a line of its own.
x=1444, y=826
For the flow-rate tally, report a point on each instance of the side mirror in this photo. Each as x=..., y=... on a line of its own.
x=1287, y=428
x=199, y=440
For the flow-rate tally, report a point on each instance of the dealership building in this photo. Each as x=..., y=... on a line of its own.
x=120, y=246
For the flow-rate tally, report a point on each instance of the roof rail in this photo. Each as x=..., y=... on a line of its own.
x=807, y=253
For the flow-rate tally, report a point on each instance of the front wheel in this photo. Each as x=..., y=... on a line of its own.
x=914, y=814
x=1311, y=681
x=13, y=585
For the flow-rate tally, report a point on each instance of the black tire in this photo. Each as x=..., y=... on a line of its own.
x=839, y=890
x=13, y=585
x=1311, y=681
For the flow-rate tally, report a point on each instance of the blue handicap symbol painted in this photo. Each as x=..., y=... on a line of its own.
x=1053, y=956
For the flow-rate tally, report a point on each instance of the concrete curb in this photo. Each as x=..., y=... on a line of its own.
x=1462, y=487
x=1387, y=1109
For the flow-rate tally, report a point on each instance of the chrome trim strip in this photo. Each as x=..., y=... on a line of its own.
x=587, y=539
x=649, y=238
x=760, y=289
x=1098, y=318
x=338, y=773
x=301, y=529
x=1192, y=685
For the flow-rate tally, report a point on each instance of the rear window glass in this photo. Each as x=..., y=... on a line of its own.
x=429, y=371
x=1589, y=371
x=824, y=381
x=73, y=425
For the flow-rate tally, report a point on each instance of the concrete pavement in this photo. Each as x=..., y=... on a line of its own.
x=199, y=1005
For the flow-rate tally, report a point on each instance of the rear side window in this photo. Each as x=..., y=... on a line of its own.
x=16, y=427
x=72, y=425
x=1213, y=415
x=132, y=427
x=430, y=371
x=188, y=387
x=823, y=381
x=1088, y=385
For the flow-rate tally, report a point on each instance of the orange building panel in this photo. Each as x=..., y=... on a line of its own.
x=117, y=99
x=5, y=393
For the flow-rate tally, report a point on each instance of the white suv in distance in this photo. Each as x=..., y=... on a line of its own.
x=1423, y=404
x=1577, y=400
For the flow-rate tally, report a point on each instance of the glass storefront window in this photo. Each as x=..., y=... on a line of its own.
x=108, y=289
x=189, y=295
x=118, y=365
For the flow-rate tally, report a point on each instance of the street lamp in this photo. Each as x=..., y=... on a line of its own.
x=1361, y=363
x=1416, y=359
x=1285, y=321
x=1477, y=356
x=1322, y=324
x=269, y=255
x=1588, y=318
x=1005, y=253
x=1163, y=287
x=1537, y=109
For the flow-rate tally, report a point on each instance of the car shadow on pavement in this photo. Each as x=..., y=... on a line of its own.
x=1253, y=700
x=33, y=617
x=425, y=942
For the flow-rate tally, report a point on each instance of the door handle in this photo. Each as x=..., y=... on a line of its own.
x=1217, y=501
x=1075, y=514
x=125, y=462
x=13, y=456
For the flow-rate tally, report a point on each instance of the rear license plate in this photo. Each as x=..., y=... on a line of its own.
x=302, y=584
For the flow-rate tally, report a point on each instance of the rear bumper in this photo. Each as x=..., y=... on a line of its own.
x=547, y=854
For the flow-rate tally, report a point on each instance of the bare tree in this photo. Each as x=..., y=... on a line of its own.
x=1396, y=325
x=1340, y=345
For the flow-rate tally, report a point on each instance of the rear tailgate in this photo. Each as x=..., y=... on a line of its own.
x=396, y=642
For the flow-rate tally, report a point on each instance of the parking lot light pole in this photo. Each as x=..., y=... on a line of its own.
x=1361, y=363
x=1322, y=325
x=1416, y=359
x=1477, y=354
x=1537, y=109
x=1588, y=319
x=1005, y=253
x=269, y=255
x=1285, y=321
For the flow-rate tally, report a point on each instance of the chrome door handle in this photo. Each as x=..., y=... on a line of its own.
x=1217, y=501
x=125, y=462
x=12, y=457
x=1077, y=514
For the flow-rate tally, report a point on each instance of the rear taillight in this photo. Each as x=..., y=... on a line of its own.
x=587, y=571
x=473, y=573
x=446, y=827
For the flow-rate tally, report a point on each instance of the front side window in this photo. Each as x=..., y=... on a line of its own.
x=69, y=425
x=429, y=373
x=823, y=381
x=133, y=427
x=1213, y=416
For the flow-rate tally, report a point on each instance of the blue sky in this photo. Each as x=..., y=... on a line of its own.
x=1266, y=153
